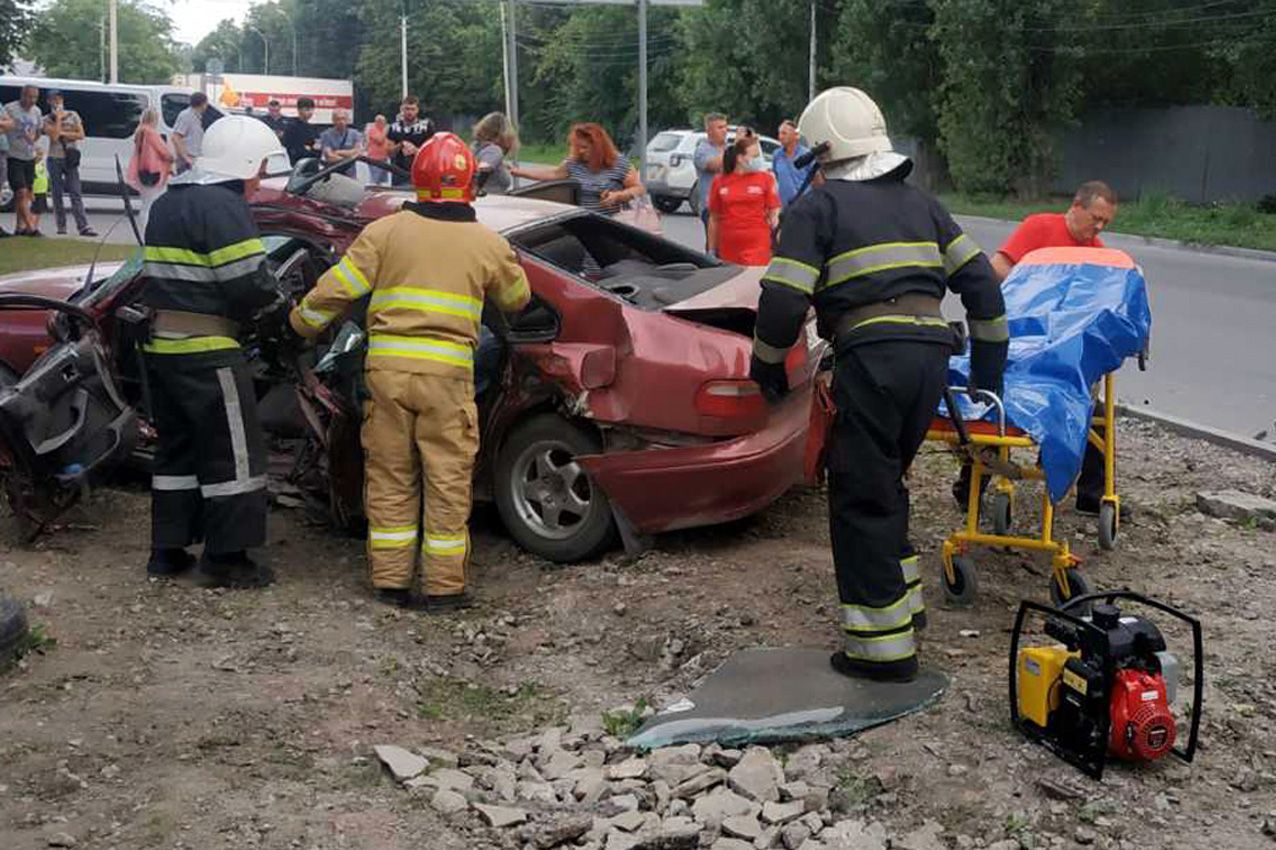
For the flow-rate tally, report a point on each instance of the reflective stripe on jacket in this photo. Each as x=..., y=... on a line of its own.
x=426, y=271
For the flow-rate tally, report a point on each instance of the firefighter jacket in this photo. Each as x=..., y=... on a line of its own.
x=204, y=256
x=848, y=245
x=425, y=271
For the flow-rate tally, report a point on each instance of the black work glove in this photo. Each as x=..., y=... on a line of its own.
x=773, y=378
x=988, y=366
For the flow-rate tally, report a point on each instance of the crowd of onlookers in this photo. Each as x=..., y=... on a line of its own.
x=29, y=161
x=740, y=196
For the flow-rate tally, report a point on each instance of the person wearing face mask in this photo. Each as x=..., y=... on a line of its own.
x=744, y=205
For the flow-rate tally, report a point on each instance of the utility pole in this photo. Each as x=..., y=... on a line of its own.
x=101, y=49
x=293, y=27
x=115, y=42
x=511, y=36
x=642, y=89
x=403, y=48
x=811, y=86
x=266, y=42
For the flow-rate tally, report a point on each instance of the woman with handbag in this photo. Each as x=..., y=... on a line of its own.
x=744, y=205
x=607, y=181
x=150, y=166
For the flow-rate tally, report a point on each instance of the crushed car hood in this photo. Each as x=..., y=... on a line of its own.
x=61, y=282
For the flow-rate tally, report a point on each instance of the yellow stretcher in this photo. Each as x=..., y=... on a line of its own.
x=992, y=448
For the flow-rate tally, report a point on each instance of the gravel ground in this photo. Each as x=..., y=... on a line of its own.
x=171, y=717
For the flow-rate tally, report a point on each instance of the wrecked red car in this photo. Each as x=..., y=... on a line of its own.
x=620, y=404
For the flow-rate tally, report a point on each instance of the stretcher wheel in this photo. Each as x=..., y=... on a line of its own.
x=961, y=591
x=1077, y=586
x=1002, y=514
x=1107, y=526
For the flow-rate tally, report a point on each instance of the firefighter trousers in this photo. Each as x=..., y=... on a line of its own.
x=886, y=392
x=419, y=429
x=209, y=477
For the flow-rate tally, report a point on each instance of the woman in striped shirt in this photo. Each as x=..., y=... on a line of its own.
x=607, y=180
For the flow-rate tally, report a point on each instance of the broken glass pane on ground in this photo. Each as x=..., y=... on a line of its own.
x=768, y=696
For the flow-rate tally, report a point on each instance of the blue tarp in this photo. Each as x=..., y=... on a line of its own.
x=1071, y=323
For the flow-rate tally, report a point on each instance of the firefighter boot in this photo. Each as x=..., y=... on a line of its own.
x=166, y=563
x=897, y=671
x=233, y=570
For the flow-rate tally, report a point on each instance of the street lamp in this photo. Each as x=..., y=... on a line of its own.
x=292, y=27
x=266, y=42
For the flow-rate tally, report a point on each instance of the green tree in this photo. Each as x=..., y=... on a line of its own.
x=14, y=20
x=747, y=58
x=224, y=43
x=65, y=41
x=1010, y=78
x=1247, y=46
x=454, y=57
x=589, y=66
x=884, y=49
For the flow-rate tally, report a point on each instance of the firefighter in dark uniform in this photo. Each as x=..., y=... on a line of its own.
x=874, y=255
x=206, y=270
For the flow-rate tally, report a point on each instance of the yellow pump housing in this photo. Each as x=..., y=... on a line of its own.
x=1039, y=669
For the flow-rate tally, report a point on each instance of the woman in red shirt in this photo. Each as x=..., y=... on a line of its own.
x=744, y=205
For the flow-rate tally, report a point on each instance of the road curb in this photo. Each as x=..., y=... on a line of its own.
x=1114, y=238
x=1188, y=428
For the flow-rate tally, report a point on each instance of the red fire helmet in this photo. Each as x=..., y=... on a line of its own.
x=443, y=170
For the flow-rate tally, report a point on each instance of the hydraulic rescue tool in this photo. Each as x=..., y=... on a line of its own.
x=1106, y=689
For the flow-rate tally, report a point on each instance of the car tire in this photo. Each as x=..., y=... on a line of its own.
x=548, y=503
x=666, y=204
x=13, y=629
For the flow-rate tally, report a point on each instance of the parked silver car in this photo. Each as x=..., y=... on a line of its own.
x=671, y=171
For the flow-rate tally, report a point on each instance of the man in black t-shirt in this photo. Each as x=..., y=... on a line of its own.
x=301, y=138
x=406, y=135
x=274, y=119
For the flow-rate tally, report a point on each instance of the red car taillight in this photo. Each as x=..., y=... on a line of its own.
x=730, y=399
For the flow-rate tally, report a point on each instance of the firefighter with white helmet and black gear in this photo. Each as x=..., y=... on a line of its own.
x=426, y=271
x=207, y=274
x=874, y=256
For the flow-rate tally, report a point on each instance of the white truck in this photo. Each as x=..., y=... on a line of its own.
x=236, y=92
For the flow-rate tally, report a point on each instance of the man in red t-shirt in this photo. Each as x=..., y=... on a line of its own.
x=1093, y=208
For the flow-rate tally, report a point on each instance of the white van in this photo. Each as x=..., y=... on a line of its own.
x=110, y=114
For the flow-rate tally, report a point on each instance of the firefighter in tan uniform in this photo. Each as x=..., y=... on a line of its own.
x=426, y=271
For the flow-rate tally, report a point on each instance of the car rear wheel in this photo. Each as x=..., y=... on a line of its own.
x=666, y=204
x=545, y=498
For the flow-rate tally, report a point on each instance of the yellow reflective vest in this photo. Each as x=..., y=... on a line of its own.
x=426, y=271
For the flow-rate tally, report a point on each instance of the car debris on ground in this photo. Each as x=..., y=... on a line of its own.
x=167, y=716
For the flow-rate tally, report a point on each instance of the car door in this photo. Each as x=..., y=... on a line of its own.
x=66, y=417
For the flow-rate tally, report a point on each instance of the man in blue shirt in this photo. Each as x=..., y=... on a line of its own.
x=708, y=161
x=340, y=142
x=790, y=179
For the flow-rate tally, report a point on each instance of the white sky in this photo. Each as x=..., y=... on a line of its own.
x=194, y=19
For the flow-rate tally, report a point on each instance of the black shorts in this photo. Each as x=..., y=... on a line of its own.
x=21, y=173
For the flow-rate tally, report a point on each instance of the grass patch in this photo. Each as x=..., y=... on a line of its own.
x=17, y=254
x=622, y=724
x=1241, y=225
x=493, y=710
x=36, y=640
x=548, y=153
x=858, y=790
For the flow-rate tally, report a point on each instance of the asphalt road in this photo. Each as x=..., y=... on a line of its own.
x=1213, y=315
x=1213, y=329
